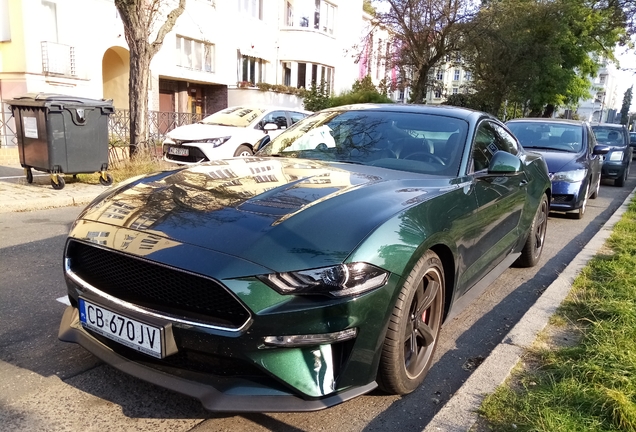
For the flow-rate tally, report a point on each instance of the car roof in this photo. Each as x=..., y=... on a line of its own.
x=445, y=110
x=609, y=125
x=267, y=108
x=546, y=120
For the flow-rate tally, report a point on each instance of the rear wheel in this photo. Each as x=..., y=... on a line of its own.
x=243, y=151
x=533, y=247
x=414, y=327
x=29, y=175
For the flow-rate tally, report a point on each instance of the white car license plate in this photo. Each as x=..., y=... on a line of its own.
x=129, y=332
x=178, y=151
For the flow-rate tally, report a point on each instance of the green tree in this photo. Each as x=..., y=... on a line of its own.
x=537, y=54
x=627, y=103
x=368, y=7
x=146, y=24
x=425, y=32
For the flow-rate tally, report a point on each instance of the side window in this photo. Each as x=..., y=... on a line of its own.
x=485, y=146
x=296, y=116
x=508, y=142
x=277, y=117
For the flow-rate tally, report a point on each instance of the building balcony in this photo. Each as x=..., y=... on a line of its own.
x=58, y=59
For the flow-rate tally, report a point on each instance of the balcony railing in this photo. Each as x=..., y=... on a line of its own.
x=58, y=59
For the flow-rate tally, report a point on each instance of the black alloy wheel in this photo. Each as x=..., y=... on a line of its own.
x=531, y=252
x=414, y=328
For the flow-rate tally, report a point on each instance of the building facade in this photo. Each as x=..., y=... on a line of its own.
x=215, y=56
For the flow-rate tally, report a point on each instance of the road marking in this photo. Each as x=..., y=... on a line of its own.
x=64, y=300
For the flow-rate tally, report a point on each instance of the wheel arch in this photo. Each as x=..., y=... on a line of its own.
x=448, y=261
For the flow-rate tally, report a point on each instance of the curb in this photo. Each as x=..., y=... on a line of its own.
x=459, y=414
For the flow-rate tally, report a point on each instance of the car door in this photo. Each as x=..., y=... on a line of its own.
x=595, y=161
x=500, y=200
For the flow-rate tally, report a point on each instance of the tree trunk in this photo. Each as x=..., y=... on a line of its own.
x=420, y=87
x=138, y=85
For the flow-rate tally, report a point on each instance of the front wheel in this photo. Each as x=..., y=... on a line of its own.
x=243, y=151
x=620, y=182
x=411, y=337
x=533, y=247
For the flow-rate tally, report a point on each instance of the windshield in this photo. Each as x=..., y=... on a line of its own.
x=550, y=136
x=609, y=136
x=422, y=143
x=235, y=116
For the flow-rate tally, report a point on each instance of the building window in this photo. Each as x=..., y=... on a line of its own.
x=317, y=74
x=455, y=90
x=438, y=94
x=49, y=21
x=440, y=74
x=251, y=69
x=601, y=79
x=468, y=76
x=315, y=14
x=287, y=73
x=194, y=54
x=253, y=8
x=457, y=74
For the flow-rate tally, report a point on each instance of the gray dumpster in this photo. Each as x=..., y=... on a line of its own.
x=61, y=134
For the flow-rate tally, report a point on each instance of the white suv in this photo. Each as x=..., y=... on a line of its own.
x=227, y=133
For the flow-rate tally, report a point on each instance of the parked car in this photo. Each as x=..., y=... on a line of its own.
x=313, y=272
x=227, y=133
x=632, y=142
x=617, y=162
x=573, y=157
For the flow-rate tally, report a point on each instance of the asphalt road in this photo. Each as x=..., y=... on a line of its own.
x=50, y=385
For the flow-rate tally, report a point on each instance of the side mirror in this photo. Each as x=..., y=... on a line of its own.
x=504, y=163
x=600, y=149
x=270, y=127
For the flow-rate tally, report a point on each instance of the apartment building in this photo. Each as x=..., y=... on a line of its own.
x=605, y=100
x=214, y=57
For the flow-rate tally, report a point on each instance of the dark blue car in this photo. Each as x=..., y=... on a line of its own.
x=573, y=157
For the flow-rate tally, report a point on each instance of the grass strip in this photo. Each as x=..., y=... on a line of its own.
x=591, y=385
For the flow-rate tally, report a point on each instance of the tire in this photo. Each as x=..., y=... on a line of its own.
x=29, y=175
x=59, y=184
x=243, y=151
x=596, y=189
x=411, y=338
x=620, y=182
x=108, y=181
x=531, y=252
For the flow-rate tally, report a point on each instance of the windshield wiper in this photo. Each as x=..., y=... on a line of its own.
x=549, y=148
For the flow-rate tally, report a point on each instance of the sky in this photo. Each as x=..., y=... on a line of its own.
x=626, y=75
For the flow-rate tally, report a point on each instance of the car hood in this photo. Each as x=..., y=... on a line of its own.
x=283, y=214
x=562, y=161
x=202, y=131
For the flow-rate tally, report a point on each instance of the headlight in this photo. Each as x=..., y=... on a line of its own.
x=570, y=176
x=216, y=141
x=337, y=281
x=616, y=156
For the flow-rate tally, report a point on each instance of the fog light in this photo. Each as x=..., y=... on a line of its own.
x=312, y=339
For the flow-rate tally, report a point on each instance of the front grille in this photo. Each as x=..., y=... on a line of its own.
x=194, y=361
x=562, y=199
x=156, y=287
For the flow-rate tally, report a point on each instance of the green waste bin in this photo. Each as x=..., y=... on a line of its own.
x=61, y=134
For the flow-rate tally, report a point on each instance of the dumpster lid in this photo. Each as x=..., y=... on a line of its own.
x=47, y=99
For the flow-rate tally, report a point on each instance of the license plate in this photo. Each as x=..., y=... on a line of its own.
x=178, y=151
x=126, y=331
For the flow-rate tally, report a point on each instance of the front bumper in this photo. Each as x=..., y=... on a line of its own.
x=223, y=395
x=613, y=170
x=567, y=196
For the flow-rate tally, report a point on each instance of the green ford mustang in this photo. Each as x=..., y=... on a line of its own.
x=312, y=272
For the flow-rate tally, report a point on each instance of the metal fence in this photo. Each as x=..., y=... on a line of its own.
x=159, y=124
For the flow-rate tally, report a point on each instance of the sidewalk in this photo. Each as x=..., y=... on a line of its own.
x=17, y=195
